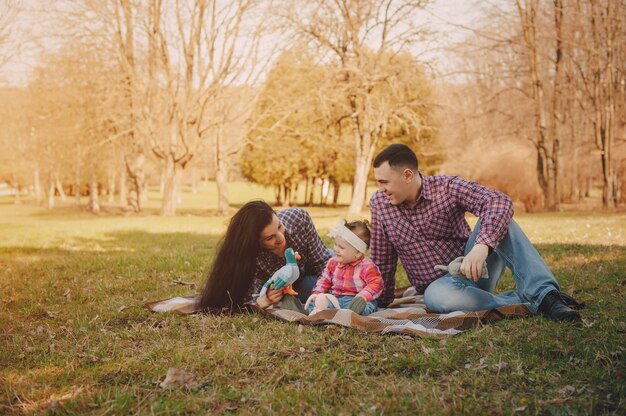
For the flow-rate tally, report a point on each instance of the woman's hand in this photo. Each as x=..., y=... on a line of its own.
x=274, y=295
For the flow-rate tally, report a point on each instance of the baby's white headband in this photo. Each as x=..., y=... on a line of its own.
x=344, y=232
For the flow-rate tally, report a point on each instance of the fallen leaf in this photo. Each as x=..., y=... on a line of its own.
x=499, y=366
x=567, y=390
x=178, y=378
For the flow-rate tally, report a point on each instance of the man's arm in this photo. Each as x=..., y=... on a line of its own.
x=383, y=254
x=495, y=211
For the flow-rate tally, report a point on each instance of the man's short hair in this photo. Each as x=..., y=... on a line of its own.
x=398, y=156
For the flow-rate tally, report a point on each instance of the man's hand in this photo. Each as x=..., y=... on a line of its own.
x=472, y=266
x=274, y=295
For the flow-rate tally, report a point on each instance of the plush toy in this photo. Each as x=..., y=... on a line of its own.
x=323, y=301
x=454, y=268
x=283, y=278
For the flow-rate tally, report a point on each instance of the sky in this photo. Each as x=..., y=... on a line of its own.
x=447, y=17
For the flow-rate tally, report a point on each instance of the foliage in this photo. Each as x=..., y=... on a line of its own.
x=302, y=121
x=289, y=138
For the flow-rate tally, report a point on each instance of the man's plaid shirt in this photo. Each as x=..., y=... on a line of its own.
x=301, y=235
x=435, y=231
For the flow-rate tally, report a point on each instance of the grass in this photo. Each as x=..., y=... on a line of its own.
x=75, y=338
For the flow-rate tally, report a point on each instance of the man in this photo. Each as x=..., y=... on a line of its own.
x=421, y=219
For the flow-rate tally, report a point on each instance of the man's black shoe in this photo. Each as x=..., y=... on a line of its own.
x=553, y=307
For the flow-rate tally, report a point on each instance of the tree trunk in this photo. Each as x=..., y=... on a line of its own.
x=306, y=191
x=123, y=190
x=609, y=191
x=179, y=188
x=94, y=200
x=365, y=142
x=173, y=171
x=287, y=195
x=546, y=156
x=360, y=185
x=336, y=186
x=278, y=193
x=59, y=187
x=77, y=177
x=294, y=195
x=325, y=192
x=557, y=102
x=37, y=186
x=312, y=192
x=111, y=185
x=50, y=191
x=135, y=179
x=221, y=181
x=143, y=196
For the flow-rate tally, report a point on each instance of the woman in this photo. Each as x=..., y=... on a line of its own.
x=254, y=248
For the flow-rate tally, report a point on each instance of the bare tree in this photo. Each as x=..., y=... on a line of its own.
x=599, y=59
x=9, y=11
x=218, y=43
x=547, y=140
x=124, y=21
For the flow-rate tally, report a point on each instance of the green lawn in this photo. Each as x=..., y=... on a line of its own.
x=75, y=338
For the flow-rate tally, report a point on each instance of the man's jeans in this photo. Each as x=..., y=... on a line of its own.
x=532, y=277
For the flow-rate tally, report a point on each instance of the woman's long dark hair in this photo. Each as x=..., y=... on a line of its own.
x=232, y=273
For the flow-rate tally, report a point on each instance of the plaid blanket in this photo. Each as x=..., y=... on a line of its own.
x=406, y=315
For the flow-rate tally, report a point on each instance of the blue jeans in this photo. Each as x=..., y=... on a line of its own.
x=344, y=301
x=533, y=279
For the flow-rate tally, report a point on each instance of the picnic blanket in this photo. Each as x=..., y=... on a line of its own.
x=405, y=315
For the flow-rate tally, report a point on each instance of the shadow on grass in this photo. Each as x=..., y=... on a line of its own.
x=578, y=267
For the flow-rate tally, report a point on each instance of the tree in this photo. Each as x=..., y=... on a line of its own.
x=9, y=11
x=599, y=59
x=361, y=39
x=547, y=118
x=218, y=44
x=290, y=131
x=71, y=120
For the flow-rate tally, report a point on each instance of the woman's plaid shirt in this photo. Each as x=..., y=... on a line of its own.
x=302, y=236
x=435, y=231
